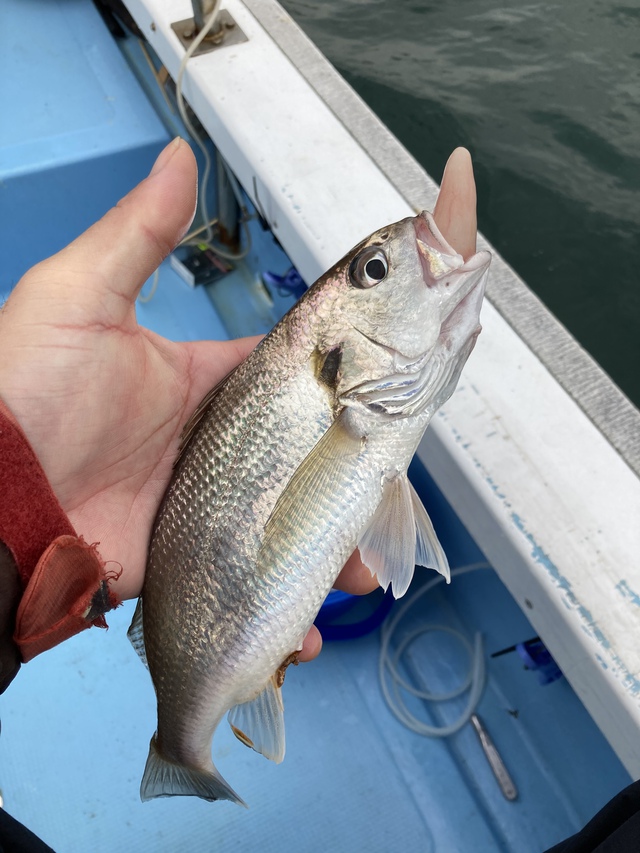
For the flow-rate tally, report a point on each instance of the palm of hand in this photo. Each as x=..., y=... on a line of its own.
x=103, y=402
x=101, y=399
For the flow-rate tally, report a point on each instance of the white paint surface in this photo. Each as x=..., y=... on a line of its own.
x=556, y=511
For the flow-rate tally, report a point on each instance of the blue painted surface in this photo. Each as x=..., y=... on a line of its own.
x=77, y=721
x=76, y=132
x=177, y=311
x=625, y=590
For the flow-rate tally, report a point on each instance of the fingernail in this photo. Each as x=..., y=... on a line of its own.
x=165, y=155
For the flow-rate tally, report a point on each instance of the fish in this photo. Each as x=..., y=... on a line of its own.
x=298, y=457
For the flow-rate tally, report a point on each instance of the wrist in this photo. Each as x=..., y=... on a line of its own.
x=63, y=584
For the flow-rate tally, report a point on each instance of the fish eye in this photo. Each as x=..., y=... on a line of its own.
x=368, y=268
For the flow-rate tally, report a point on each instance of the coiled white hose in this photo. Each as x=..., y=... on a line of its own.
x=390, y=659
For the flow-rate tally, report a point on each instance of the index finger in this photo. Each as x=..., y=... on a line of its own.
x=355, y=577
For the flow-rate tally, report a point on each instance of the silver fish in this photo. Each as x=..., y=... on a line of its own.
x=296, y=459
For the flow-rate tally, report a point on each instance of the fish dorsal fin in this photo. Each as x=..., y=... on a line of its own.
x=260, y=722
x=388, y=545
x=192, y=424
x=136, y=633
x=429, y=551
x=314, y=479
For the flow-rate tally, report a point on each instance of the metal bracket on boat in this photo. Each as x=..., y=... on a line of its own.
x=225, y=31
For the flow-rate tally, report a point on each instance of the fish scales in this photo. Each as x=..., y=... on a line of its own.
x=229, y=600
x=296, y=459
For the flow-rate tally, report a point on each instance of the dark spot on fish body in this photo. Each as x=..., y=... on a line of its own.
x=329, y=373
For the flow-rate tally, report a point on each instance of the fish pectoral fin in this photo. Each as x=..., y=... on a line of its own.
x=260, y=722
x=429, y=551
x=388, y=545
x=314, y=479
x=136, y=633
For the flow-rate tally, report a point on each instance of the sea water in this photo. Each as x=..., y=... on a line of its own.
x=547, y=98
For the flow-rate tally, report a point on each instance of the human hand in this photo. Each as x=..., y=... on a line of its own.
x=103, y=400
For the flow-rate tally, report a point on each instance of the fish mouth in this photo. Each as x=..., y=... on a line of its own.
x=437, y=256
x=446, y=270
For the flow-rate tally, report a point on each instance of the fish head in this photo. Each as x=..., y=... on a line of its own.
x=405, y=296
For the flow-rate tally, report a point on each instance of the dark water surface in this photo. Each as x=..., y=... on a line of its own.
x=547, y=98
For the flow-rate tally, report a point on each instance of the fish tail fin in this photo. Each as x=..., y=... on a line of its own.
x=164, y=778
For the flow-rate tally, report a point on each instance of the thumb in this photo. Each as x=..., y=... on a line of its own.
x=119, y=253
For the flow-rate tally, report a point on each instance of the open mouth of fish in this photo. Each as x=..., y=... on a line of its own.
x=461, y=281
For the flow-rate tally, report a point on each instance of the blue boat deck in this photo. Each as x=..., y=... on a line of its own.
x=77, y=721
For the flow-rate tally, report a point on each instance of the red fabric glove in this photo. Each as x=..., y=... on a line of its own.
x=63, y=579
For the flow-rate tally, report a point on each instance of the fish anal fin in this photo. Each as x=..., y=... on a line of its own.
x=164, y=778
x=429, y=551
x=136, y=633
x=388, y=544
x=259, y=723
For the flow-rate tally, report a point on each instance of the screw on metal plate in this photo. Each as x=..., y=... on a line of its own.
x=225, y=33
